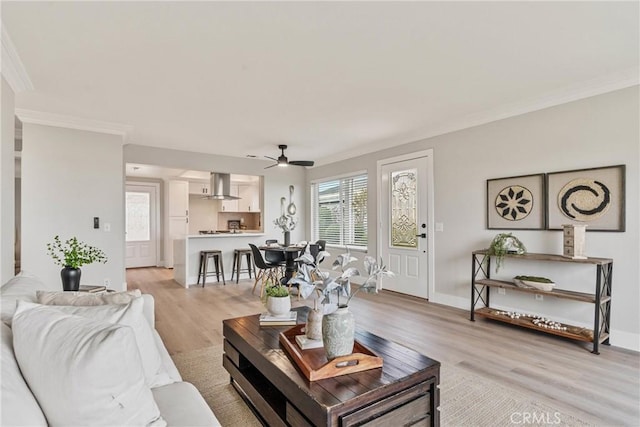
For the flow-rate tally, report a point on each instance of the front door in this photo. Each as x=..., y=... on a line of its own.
x=406, y=223
x=141, y=223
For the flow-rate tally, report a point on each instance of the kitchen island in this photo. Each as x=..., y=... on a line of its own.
x=186, y=253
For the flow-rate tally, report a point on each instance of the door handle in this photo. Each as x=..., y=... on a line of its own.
x=423, y=235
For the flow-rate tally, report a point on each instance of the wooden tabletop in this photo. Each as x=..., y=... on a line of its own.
x=403, y=369
x=292, y=248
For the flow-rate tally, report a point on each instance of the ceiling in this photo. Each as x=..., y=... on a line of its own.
x=139, y=170
x=330, y=79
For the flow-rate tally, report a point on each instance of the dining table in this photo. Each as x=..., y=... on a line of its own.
x=290, y=252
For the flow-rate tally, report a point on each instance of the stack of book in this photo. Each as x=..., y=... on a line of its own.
x=267, y=319
x=306, y=344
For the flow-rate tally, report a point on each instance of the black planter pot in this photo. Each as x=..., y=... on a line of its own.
x=70, y=278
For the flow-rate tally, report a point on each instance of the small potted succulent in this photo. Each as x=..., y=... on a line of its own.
x=72, y=255
x=278, y=301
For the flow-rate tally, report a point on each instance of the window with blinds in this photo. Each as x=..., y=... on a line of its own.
x=339, y=210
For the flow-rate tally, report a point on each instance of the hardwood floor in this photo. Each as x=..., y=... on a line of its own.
x=602, y=389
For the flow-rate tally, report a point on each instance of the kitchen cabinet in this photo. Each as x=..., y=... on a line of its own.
x=231, y=205
x=178, y=198
x=178, y=220
x=249, y=198
x=199, y=188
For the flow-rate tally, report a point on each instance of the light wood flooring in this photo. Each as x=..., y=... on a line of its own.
x=602, y=389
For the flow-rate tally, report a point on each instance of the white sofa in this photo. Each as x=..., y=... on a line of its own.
x=179, y=402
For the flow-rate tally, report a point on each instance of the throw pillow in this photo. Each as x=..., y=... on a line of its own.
x=128, y=315
x=19, y=407
x=82, y=372
x=83, y=298
x=21, y=287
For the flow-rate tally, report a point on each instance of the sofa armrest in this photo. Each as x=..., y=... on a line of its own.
x=167, y=363
x=149, y=309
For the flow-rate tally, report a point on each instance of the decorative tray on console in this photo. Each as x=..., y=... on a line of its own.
x=314, y=364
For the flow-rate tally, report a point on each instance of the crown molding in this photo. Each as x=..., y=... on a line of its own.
x=12, y=68
x=71, y=122
x=598, y=86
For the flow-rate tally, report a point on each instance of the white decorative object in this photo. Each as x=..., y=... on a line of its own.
x=538, y=285
x=574, y=241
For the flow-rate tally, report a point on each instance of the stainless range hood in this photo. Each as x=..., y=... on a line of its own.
x=221, y=187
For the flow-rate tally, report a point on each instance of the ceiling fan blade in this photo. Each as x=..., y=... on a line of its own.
x=301, y=162
x=272, y=158
x=271, y=166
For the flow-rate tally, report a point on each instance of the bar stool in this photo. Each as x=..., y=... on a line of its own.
x=237, y=263
x=217, y=262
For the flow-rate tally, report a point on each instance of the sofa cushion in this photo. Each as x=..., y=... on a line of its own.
x=22, y=287
x=86, y=299
x=19, y=407
x=81, y=371
x=129, y=315
x=182, y=405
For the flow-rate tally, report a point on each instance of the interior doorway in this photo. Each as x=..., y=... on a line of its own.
x=141, y=228
x=405, y=242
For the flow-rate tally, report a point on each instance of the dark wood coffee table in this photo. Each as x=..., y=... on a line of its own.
x=403, y=392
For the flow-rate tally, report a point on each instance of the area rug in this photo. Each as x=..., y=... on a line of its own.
x=466, y=399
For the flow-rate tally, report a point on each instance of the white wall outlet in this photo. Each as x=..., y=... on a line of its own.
x=107, y=282
x=539, y=297
x=107, y=227
x=502, y=291
x=439, y=226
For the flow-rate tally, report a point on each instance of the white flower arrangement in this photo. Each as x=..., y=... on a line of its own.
x=310, y=278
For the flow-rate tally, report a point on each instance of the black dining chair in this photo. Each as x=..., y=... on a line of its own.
x=322, y=244
x=274, y=257
x=266, y=270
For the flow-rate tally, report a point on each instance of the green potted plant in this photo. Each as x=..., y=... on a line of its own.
x=278, y=302
x=503, y=244
x=72, y=255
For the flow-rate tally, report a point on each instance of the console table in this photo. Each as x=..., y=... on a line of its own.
x=403, y=392
x=601, y=297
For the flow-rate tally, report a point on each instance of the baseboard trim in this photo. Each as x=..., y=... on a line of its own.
x=627, y=340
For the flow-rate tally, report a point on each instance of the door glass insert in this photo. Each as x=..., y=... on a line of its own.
x=404, y=209
x=138, y=216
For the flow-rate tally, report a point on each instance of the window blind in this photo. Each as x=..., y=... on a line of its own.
x=340, y=211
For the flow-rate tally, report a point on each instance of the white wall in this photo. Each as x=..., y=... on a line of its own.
x=7, y=182
x=276, y=180
x=597, y=131
x=68, y=177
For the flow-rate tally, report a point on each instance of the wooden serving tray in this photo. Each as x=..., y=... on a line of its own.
x=314, y=364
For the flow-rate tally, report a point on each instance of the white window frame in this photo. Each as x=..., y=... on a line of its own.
x=314, y=211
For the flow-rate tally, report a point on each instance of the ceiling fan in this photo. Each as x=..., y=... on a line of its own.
x=283, y=161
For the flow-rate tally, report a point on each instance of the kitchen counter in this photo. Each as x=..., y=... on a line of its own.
x=186, y=253
x=239, y=234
